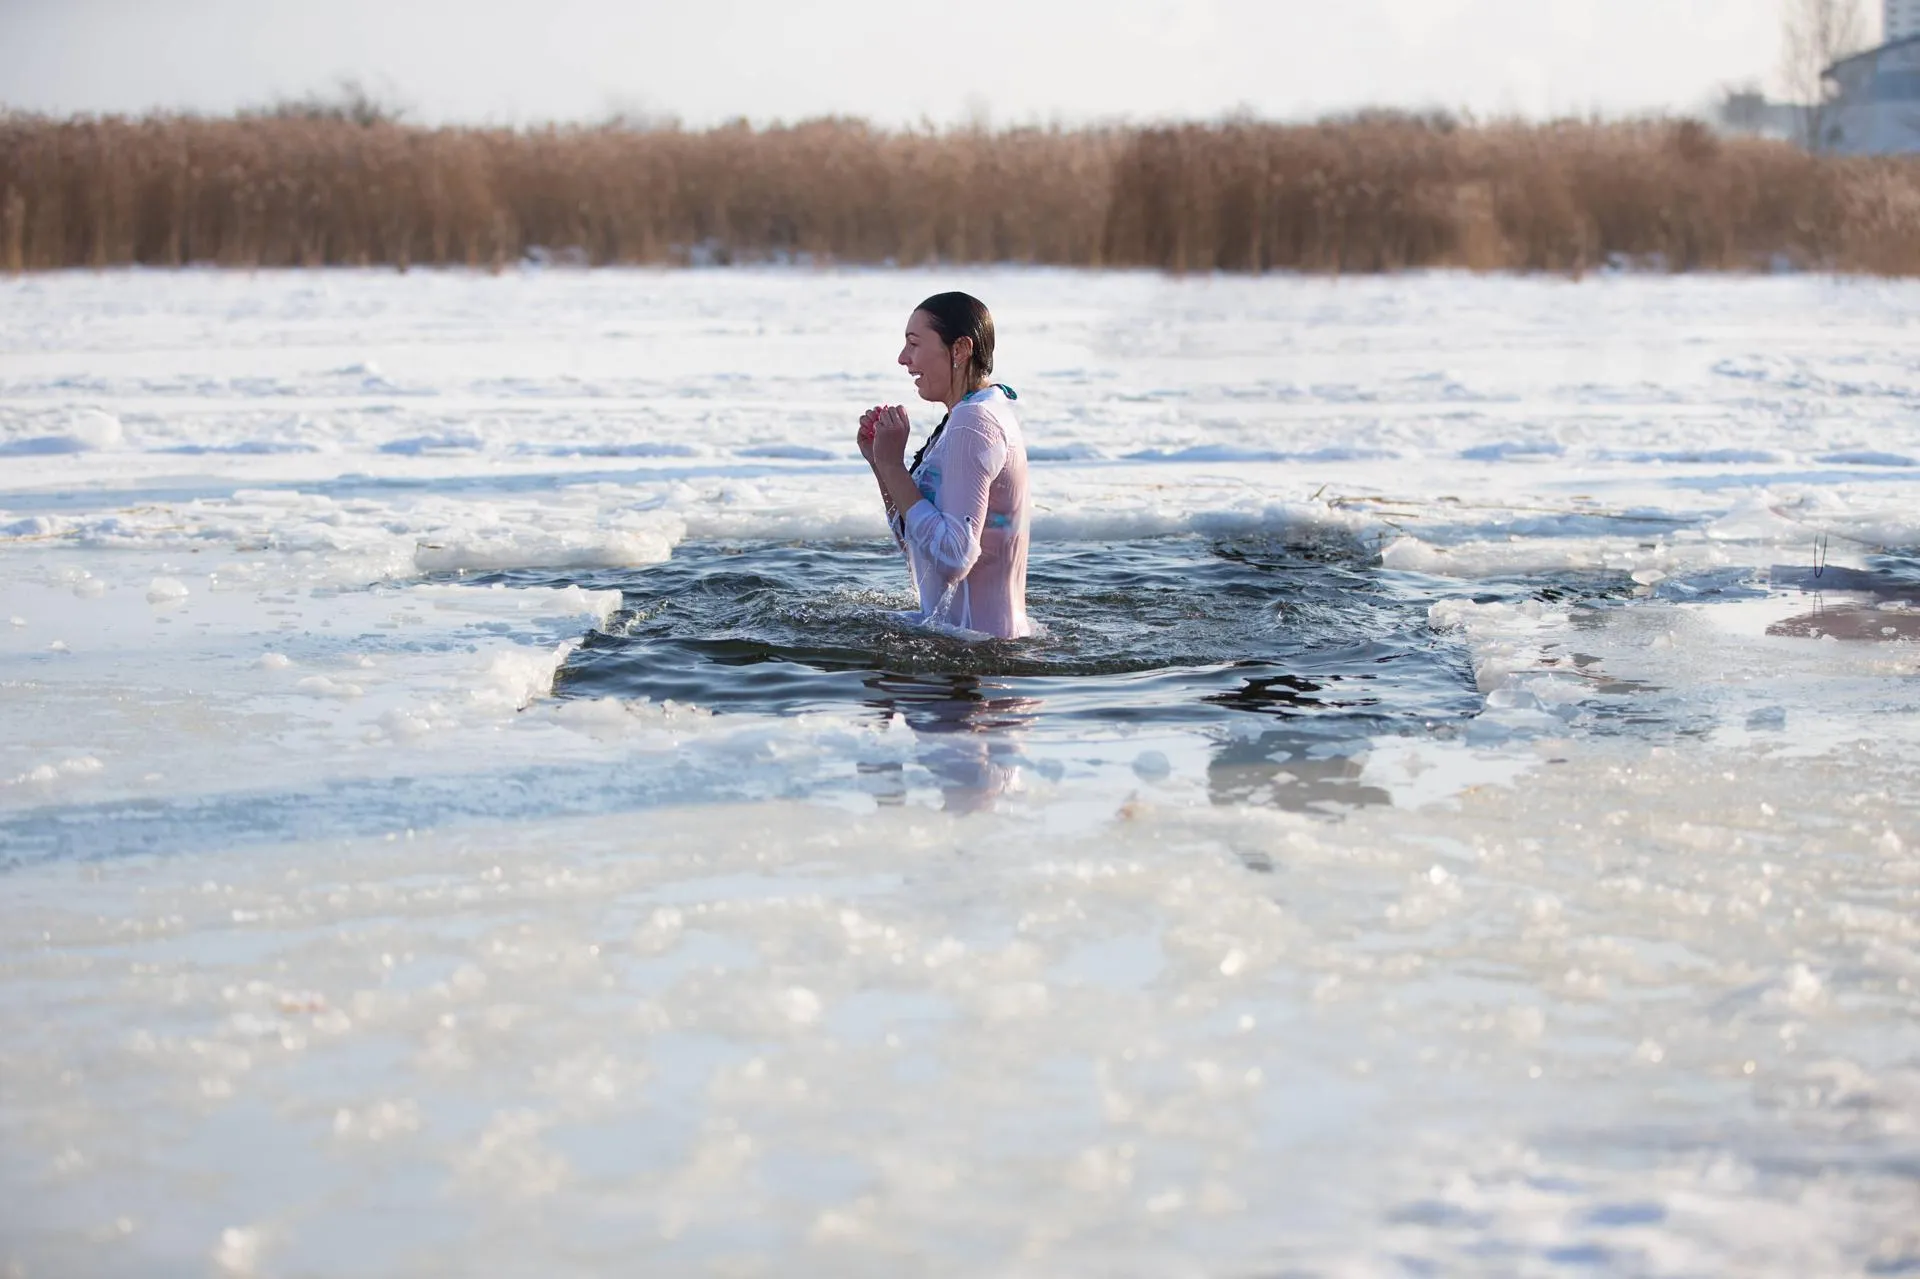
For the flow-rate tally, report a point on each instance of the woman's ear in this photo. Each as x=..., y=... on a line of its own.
x=962, y=351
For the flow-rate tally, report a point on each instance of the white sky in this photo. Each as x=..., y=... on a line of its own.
x=1010, y=61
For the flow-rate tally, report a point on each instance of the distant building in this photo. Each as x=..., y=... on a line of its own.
x=1900, y=21
x=1875, y=109
x=1750, y=111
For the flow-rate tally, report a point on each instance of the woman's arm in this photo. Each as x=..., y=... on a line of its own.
x=865, y=440
x=890, y=431
x=895, y=525
x=948, y=533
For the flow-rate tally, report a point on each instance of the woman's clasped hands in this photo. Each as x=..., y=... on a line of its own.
x=883, y=434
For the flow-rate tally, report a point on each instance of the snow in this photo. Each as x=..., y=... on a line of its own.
x=333, y=940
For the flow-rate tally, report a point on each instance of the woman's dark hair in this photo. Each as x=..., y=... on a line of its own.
x=962, y=315
x=954, y=316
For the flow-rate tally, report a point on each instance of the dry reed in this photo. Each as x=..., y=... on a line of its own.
x=1372, y=193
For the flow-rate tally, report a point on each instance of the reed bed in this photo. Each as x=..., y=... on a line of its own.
x=1371, y=193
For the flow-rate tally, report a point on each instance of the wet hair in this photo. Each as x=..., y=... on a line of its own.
x=954, y=316
x=962, y=315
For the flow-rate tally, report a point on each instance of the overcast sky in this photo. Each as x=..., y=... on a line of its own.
x=1009, y=61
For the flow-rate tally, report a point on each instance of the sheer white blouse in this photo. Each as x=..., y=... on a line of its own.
x=966, y=541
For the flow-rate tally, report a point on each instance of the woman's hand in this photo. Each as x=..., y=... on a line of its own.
x=890, y=432
x=888, y=458
x=864, y=438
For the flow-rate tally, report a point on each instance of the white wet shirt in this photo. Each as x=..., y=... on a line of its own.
x=966, y=542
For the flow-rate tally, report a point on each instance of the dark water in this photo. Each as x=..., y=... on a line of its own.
x=1174, y=631
x=1281, y=653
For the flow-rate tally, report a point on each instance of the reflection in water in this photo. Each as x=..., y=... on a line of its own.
x=1288, y=694
x=968, y=738
x=1289, y=768
x=1852, y=620
x=969, y=733
x=1880, y=602
x=1292, y=771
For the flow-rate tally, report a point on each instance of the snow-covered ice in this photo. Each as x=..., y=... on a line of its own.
x=332, y=941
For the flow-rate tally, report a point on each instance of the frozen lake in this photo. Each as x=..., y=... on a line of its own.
x=1461, y=818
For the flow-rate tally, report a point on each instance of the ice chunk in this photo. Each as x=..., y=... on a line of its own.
x=86, y=430
x=496, y=552
x=1151, y=765
x=238, y=1251
x=514, y=679
x=325, y=686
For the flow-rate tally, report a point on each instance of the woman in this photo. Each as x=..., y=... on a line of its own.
x=959, y=509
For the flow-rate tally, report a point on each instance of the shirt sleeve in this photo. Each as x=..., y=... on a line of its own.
x=947, y=534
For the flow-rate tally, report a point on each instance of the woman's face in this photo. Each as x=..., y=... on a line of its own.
x=928, y=359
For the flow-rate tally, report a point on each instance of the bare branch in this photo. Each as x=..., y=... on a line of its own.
x=1815, y=34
